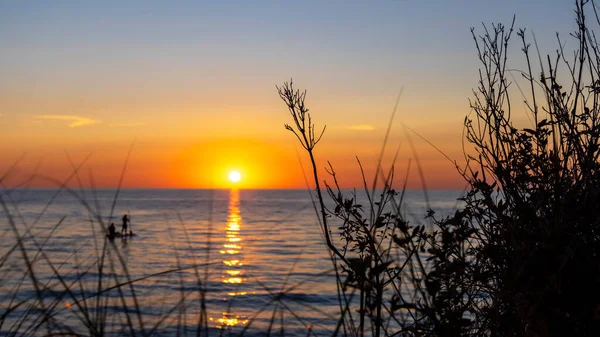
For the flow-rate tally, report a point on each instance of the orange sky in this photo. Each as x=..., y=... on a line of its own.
x=270, y=160
x=194, y=87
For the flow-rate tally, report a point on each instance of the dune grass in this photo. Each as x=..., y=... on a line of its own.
x=92, y=292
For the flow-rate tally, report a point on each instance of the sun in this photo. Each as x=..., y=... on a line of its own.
x=235, y=176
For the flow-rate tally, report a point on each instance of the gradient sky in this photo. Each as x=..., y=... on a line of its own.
x=193, y=83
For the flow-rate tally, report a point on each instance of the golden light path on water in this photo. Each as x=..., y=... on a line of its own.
x=234, y=274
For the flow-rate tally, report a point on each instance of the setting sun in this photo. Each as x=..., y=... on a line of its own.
x=234, y=176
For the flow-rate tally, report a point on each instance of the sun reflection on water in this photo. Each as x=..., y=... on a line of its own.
x=233, y=275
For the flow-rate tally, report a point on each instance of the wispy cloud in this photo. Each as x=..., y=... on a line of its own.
x=126, y=125
x=362, y=127
x=74, y=121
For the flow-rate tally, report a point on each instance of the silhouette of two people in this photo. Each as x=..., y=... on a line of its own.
x=112, y=232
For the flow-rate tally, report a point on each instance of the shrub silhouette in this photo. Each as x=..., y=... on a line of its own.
x=521, y=258
x=534, y=191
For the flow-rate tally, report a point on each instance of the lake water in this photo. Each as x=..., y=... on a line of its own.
x=259, y=254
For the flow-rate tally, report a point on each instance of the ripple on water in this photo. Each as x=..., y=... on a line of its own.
x=242, y=253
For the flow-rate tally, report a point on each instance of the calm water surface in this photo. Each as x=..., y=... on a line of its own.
x=247, y=247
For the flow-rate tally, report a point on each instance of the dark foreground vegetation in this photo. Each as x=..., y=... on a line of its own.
x=522, y=257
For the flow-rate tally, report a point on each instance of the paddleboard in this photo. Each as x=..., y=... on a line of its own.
x=119, y=235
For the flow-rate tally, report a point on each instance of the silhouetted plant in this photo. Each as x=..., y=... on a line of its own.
x=535, y=190
x=522, y=257
x=532, y=263
x=371, y=238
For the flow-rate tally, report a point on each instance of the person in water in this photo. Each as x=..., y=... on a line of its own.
x=125, y=221
x=111, y=230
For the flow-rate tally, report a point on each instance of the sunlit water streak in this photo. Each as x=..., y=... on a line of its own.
x=234, y=277
x=258, y=244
